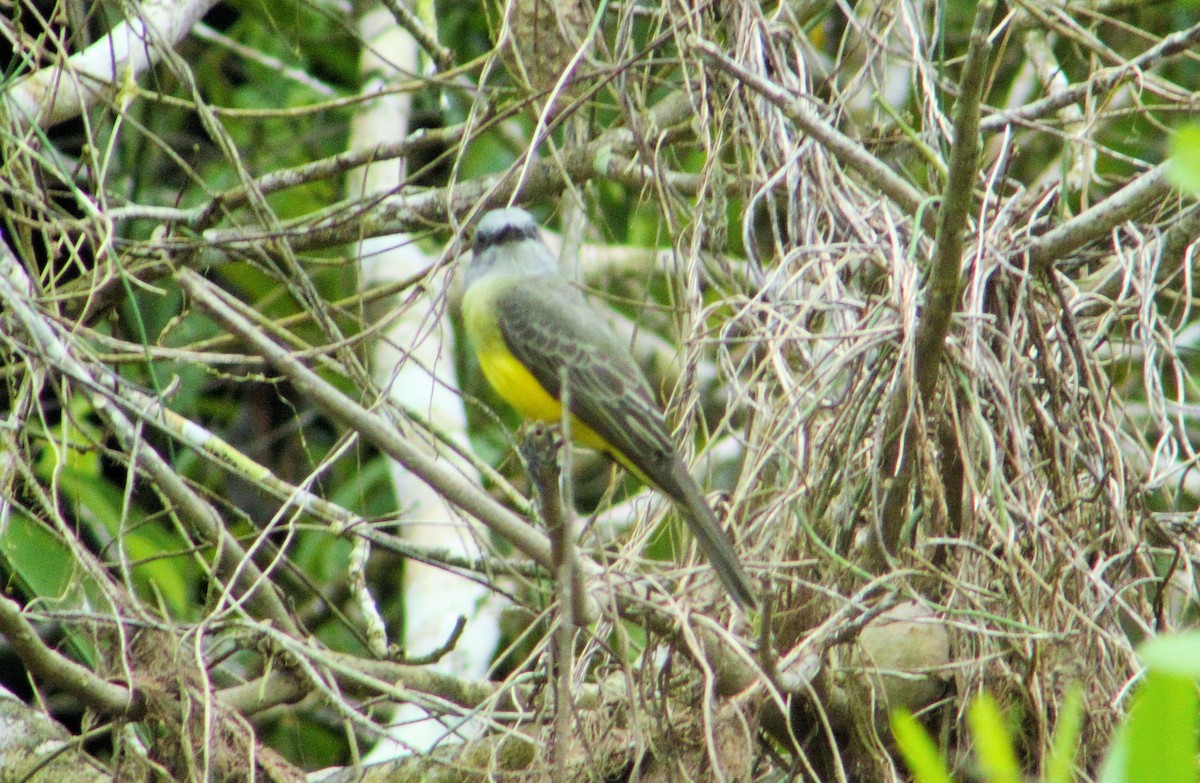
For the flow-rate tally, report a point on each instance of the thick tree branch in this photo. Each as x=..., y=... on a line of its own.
x=849, y=152
x=903, y=422
x=55, y=352
x=371, y=426
x=352, y=221
x=109, y=698
x=1099, y=221
x=1098, y=83
x=60, y=92
x=37, y=749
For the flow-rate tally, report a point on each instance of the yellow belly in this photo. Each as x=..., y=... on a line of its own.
x=515, y=384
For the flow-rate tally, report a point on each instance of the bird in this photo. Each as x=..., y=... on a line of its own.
x=529, y=327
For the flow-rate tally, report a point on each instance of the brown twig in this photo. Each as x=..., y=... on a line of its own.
x=911, y=398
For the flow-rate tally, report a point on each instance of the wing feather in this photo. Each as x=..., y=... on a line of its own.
x=547, y=324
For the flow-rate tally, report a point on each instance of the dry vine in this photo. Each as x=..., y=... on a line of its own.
x=944, y=388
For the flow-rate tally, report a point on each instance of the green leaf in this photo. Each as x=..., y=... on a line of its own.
x=39, y=559
x=71, y=443
x=1183, y=167
x=1177, y=654
x=48, y=574
x=1113, y=770
x=918, y=749
x=1161, y=732
x=1059, y=768
x=161, y=566
x=993, y=744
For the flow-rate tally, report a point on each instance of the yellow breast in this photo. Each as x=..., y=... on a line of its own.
x=515, y=384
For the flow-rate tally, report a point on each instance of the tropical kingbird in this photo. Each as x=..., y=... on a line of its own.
x=527, y=324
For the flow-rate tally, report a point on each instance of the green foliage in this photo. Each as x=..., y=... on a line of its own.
x=267, y=88
x=1177, y=655
x=70, y=462
x=1184, y=168
x=919, y=750
x=1060, y=766
x=994, y=750
x=1158, y=742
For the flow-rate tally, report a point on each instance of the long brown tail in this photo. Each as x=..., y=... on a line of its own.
x=706, y=529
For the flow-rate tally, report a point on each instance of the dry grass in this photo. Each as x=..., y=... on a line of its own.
x=1051, y=491
x=1030, y=514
